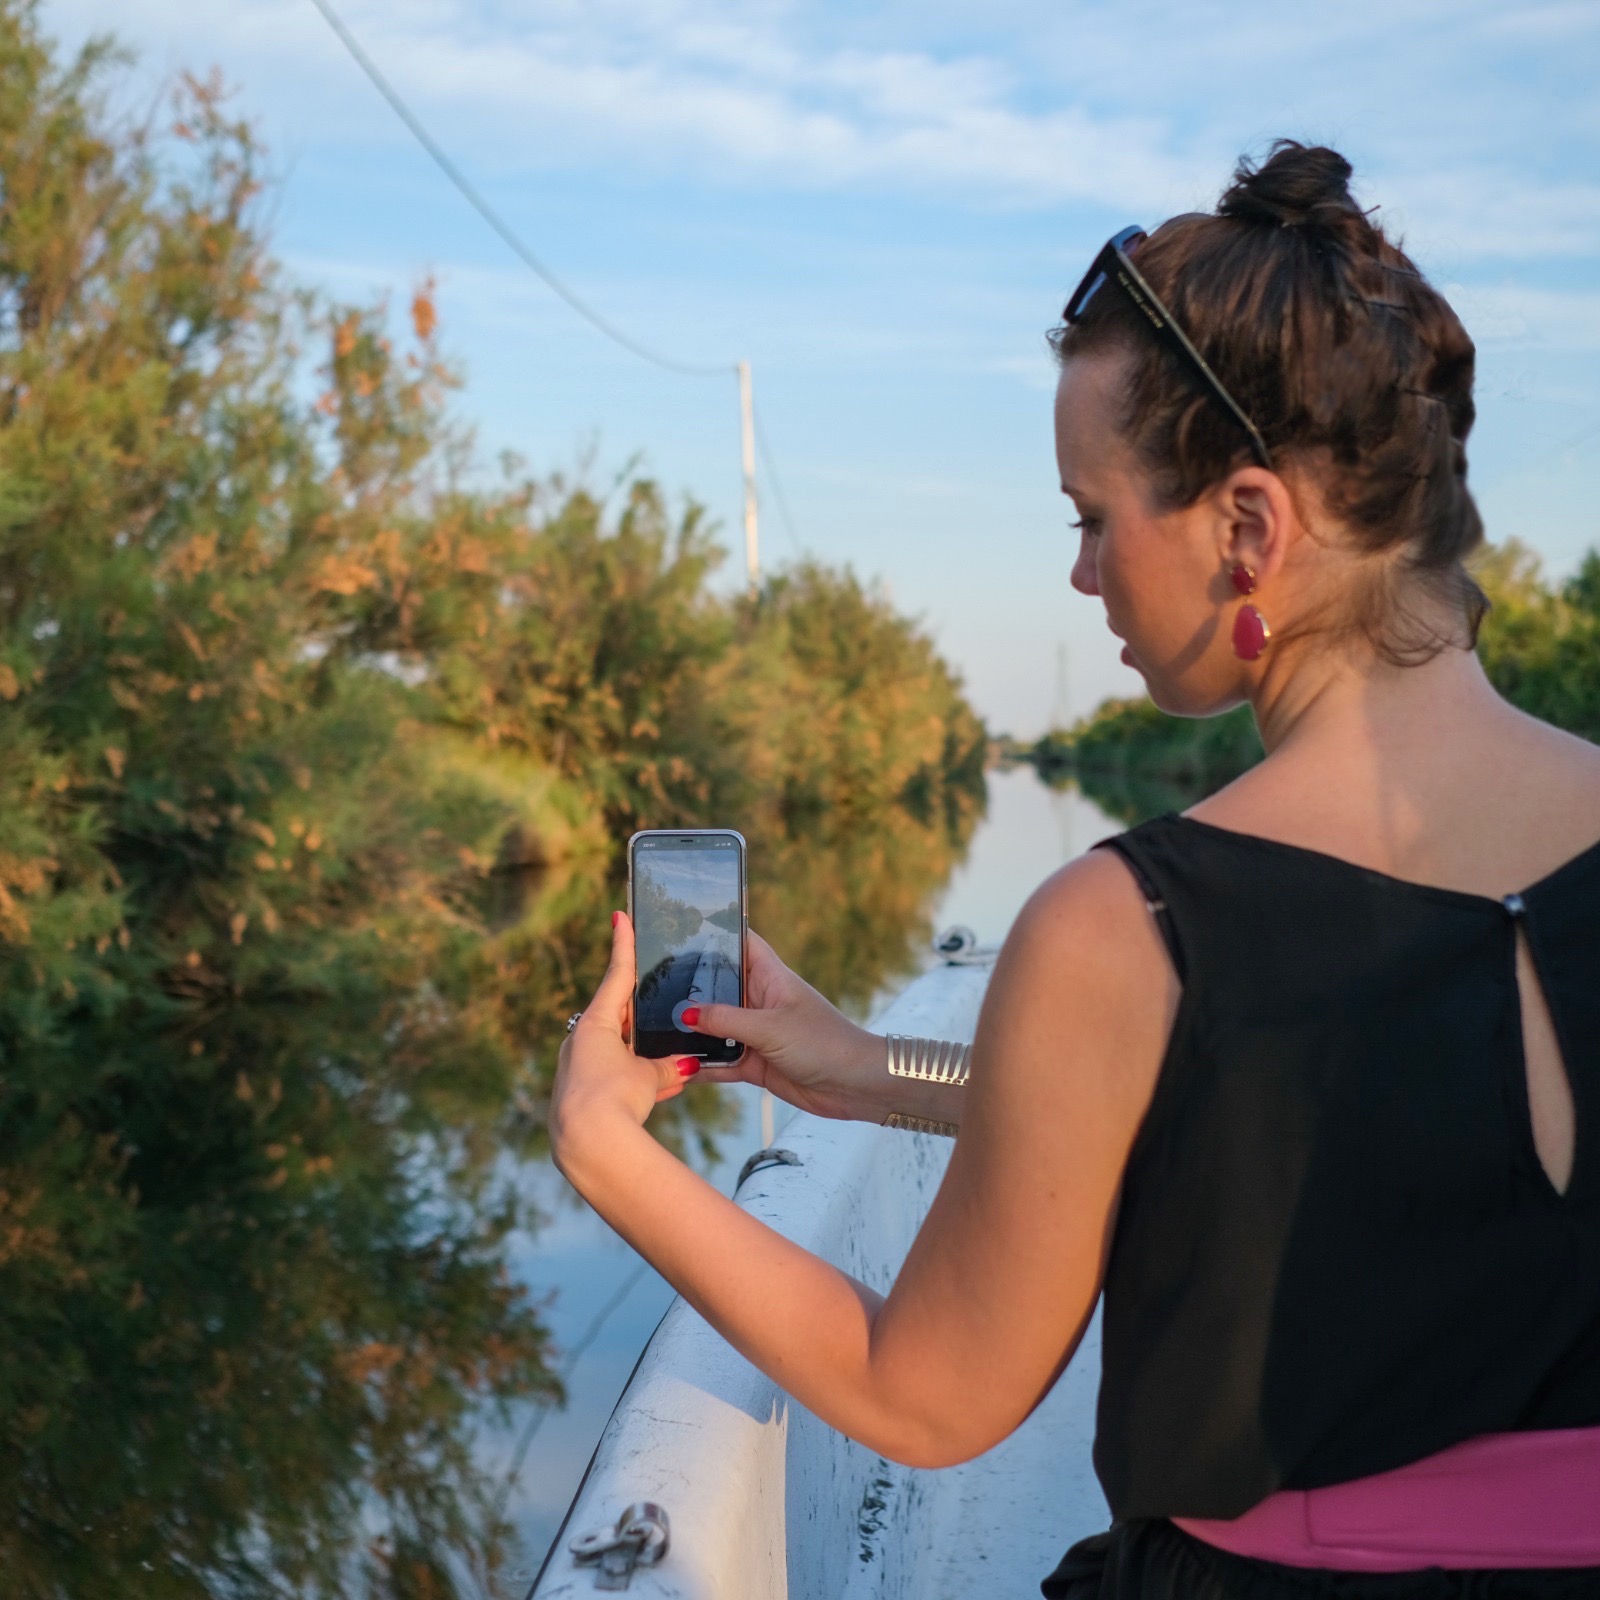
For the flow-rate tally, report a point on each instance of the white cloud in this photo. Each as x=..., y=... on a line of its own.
x=1136, y=109
x=664, y=86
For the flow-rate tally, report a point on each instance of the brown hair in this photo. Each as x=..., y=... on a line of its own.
x=1342, y=354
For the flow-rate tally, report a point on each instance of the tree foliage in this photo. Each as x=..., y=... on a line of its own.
x=313, y=755
x=1541, y=642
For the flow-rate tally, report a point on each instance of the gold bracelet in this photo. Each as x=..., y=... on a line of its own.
x=929, y=1060
x=947, y=1130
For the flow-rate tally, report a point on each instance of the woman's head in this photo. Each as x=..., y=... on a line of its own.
x=1358, y=377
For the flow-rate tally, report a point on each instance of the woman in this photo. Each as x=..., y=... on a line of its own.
x=1305, y=1079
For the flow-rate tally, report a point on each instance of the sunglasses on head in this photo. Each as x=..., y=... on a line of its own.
x=1115, y=263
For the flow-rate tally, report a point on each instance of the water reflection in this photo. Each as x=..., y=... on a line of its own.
x=1129, y=797
x=310, y=1379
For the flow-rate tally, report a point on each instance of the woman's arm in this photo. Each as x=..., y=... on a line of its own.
x=1001, y=1280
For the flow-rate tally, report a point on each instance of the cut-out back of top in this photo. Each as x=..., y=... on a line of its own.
x=1549, y=1088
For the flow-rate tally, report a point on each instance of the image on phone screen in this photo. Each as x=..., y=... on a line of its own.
x=688, y=921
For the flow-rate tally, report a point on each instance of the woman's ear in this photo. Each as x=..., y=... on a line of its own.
x=1256, y=521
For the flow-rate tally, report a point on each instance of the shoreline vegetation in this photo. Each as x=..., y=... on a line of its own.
x=318, y=745
x=1540, y=645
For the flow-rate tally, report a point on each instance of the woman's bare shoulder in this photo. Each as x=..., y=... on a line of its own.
x=1096, y=892
x=1087, y=941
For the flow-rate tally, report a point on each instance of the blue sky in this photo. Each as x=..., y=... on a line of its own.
x=882, y=208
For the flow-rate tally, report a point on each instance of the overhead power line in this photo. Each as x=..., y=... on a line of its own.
x=748, y=421
x=473, y=198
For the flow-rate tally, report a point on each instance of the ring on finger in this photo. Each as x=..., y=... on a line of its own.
x=574, y=1020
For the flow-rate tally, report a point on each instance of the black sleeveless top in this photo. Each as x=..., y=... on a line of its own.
x=1337, y=1250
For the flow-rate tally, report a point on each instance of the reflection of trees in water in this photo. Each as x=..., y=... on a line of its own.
x=1135, y=762
x=847, y=900
x=280, y=1338
x=654, y=977
x=1131, y=797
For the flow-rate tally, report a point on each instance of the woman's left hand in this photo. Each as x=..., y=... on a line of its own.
x=598, y=1077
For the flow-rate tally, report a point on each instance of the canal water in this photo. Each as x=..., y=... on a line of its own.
x=603, y=1302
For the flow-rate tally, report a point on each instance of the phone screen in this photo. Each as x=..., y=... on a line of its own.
x=688, y=924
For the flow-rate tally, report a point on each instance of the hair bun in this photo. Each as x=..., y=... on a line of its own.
x=1297, y=186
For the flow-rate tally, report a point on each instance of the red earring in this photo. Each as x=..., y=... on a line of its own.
x=1250, y=631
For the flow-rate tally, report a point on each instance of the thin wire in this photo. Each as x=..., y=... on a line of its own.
x=568, y=1365
x=1568, y=446
x=774, y=482
x=493, y=218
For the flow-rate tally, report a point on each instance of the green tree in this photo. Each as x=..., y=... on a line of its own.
x=864, y=772
x=1541, y=644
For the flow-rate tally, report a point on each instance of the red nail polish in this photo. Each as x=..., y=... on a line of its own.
x=616, y=917
x=688, y=1066
x=691, y=1015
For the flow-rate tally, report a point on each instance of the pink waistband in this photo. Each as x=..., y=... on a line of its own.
x=1500, y=1500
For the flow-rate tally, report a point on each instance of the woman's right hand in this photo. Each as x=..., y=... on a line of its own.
x=798, y=1044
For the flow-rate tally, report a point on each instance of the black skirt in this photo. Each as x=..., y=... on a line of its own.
x=1151, y=1559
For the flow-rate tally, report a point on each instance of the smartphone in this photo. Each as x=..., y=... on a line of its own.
x=686, y=900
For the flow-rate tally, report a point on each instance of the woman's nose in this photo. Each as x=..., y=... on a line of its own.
x=1084, y=577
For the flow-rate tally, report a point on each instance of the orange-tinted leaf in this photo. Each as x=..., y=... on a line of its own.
x=424, y=313
x=341, y=575
x=472, y=555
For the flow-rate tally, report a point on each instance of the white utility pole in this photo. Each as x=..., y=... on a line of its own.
x=747, y=439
